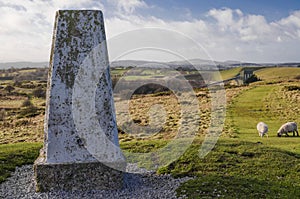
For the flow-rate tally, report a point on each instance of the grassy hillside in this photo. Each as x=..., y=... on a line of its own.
x=278, y=74
x=237, y=169
x=241, y=165
x=227, y=74
x=272, y=104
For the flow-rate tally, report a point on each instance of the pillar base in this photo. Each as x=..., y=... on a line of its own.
x=77, y=176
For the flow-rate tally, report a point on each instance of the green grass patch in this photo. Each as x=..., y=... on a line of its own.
x=144, y=146
x=118, y=71
x=137, y=77
x=245, y=165
x=216, y=186
x=278, y=73
x=13, y=155
x=230, y=73
x=271, y=104
x=151, y=154
x=238, y=169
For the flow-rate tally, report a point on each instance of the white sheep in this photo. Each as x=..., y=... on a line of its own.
x=288, y=127
x=262, y=129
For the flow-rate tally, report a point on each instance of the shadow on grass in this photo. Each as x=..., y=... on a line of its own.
x=215, y=186
x=238, y=169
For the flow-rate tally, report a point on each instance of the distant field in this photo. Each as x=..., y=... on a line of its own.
x=230, y=73
x=117, y=71
x=281, y=73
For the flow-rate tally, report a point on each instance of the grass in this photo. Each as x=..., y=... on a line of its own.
x=238, y=169
x=142, y=146
x=230, y=73
x=247, y=165
x=137, y=77
x=10, y=103
x=141, y=73
x=117, y=71
x=278, y=74
x=270, y=104
x=241, y=165
x=13, y=155
x=21, y=124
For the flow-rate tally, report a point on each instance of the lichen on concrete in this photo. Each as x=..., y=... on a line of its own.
x=79, y=84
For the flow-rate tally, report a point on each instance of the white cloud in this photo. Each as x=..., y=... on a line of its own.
x=244, y=27
x=255, y=28
x=128, y=6
x=290, y=26
x=292, y=20
x=226, y=18
x=26, y=26
x=26, y=30
x=13, y=6
x=230, y=35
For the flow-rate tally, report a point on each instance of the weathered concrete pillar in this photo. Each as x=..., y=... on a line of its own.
x=81, y=147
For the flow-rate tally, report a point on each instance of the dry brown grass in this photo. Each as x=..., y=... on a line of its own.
x=18, y=124
x=22, y=130
x=140, y=106
x=163, y=112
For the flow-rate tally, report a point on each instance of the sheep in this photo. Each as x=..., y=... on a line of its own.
x=262, y=129
x=288, y=127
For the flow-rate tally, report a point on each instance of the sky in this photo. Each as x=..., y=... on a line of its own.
x=162, y=30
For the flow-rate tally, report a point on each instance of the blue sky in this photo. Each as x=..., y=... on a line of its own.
x=244, y=30
x=272, y=10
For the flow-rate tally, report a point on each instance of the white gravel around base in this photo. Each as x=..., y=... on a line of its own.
x=138, y=185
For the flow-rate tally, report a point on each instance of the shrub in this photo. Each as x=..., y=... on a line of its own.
x=29, y=111
x=27, y=103
x=151, y=88
x=292, y=88
x=39, y=92
x=18, y=83
x=9, y=88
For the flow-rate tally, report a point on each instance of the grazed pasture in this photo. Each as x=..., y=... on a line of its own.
x=241, y=165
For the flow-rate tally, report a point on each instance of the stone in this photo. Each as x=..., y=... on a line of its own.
x=85, y=176
x=81, y=144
